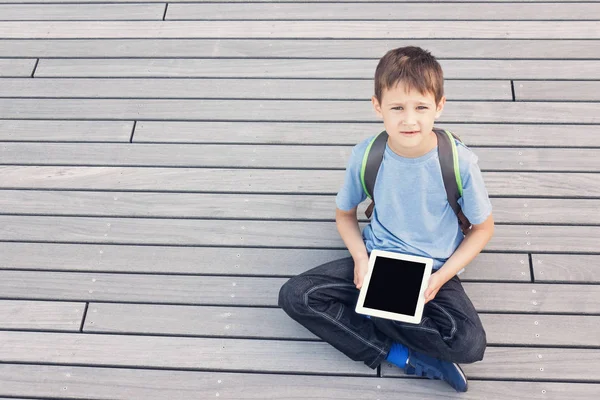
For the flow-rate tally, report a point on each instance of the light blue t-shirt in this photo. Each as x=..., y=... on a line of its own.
x=412, y=214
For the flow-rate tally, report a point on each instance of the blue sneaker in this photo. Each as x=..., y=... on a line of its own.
x=420, y=364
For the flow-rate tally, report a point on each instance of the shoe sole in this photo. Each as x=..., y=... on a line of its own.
x=463, y=376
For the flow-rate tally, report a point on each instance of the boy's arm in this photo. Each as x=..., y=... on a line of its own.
x=472, y=244
x=347, y=225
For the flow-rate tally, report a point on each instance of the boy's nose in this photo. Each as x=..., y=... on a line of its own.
x=409, y=120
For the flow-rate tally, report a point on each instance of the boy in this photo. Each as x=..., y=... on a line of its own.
x=412, y=215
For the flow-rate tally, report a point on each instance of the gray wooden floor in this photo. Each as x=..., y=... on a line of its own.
x=164, y=168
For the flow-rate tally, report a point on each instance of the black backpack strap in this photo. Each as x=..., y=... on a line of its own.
x=449, y=166
x=370, y=167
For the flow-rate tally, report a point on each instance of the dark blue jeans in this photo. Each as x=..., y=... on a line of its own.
x=323, y=300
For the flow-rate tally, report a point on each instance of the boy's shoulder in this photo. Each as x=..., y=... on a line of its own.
x=358, y=151
x=361, y=146
x=466, y=157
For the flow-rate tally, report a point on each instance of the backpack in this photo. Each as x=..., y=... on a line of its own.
x=448, y=157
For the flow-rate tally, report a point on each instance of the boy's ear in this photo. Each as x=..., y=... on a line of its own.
x=440, y=107
x=376, y=106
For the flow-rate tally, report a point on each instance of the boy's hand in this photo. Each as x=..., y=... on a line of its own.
x=435, y=283
x=360, y=270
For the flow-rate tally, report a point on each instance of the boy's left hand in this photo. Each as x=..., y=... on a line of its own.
x=435, y=283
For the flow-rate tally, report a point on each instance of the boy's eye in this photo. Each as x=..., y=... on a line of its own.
x=422, y=107
x=397, y=108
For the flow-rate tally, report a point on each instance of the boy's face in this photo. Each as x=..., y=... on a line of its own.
x=408, y=118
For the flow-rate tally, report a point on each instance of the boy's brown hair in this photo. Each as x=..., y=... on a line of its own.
x=414, y=67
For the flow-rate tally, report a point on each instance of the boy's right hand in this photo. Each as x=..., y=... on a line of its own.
x=360, y=270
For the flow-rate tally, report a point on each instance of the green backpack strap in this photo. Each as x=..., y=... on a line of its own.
x=448, y=156
x=370, y=167
x=371, y=162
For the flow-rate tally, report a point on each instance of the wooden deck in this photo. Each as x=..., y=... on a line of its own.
x=164, y=168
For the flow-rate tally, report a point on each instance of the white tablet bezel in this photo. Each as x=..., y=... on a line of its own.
x=361, y=309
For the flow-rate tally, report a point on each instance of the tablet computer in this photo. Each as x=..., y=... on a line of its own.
x=394, y=287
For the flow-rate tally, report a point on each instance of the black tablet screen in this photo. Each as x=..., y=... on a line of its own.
x=394, y=286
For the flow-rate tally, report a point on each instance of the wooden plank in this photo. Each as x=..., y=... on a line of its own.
x=528, y=364
x=230, y=322
x=64, y=12
x=174, y=205
x=79, y=131
x=121, y=383
x=65, y=350
x=528, y=159
x=529, y=184
x=262, y=156
x=352, y=133
x=502, y=362
x=534, y=298
x=183, y=260
x=541, y=330
x=522, y=184
x=229, y=261
x=263, y=291
x=285, y=110
x=557, y=91
x=525, y=135
x=180, y=353
x=180, y=231
x=497, y=267
x=272, y=356
x=566, y=268
x=181, y=155
x=217, y=261
x=299, y=29
x=513, y=238
x=19, y=67
x=358, y=11
x=271, y=156
x=165, y=179
x=162, y=289
x=41, y=315
x=306, y=68
x=261, y=206
x=546, y=211
x=231, y=88
x=501, y=329
x=273, y=48
x=554, y=238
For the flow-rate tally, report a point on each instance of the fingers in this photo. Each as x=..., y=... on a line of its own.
x=428, y=298
x=359, y=276
x=359, y=282
x=429, y=295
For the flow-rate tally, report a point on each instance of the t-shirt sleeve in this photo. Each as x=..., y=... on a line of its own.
x=475, y=202
x=351, y=193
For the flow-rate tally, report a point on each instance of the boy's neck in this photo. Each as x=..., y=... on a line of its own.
x=414, y=152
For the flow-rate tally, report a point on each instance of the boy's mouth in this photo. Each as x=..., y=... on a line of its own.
x=409, y=133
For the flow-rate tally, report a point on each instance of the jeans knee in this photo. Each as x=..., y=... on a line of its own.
x=473, y=348
x=291, y=296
